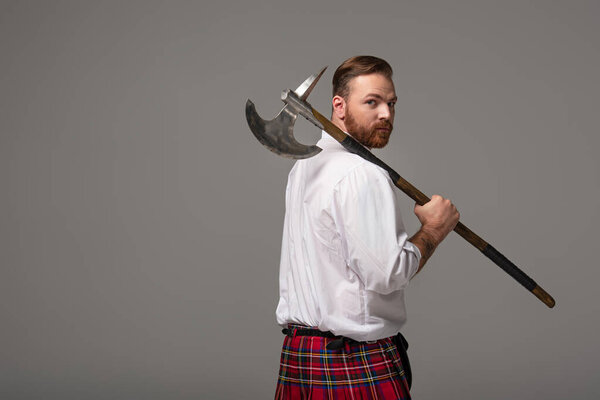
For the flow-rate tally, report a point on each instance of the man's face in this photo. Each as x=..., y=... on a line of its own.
x=369, y=114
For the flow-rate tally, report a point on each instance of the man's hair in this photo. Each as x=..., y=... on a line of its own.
x=356, y=66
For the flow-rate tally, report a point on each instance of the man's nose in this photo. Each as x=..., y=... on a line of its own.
x=385, y=111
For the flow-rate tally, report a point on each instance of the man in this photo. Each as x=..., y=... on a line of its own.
x=346, y=258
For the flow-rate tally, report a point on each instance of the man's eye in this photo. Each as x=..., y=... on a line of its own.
x=370, y=102
x=391, y=103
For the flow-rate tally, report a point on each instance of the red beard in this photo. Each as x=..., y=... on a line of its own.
x=374, y=137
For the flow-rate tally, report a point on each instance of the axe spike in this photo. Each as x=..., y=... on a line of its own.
x=309, y=84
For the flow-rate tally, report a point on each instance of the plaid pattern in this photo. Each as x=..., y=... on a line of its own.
x=359, y=370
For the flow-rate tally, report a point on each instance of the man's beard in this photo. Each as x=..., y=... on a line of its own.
x=368, y=136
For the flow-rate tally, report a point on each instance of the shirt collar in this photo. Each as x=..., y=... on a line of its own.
x=327, y=142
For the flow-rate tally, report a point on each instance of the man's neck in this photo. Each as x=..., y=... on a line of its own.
x=339, y=123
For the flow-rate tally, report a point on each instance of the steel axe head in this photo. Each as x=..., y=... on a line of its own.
x=278, y=134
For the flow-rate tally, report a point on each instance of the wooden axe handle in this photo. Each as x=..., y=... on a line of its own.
x=353, y=146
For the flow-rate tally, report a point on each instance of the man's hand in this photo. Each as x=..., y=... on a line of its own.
x=438, y=218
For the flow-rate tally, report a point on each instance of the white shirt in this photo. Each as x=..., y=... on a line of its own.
x=345, y=257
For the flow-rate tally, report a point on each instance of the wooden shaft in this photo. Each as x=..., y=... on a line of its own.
x=353, y=146
x=543, y=296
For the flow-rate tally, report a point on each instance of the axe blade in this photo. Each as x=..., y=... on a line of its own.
x=278, y=134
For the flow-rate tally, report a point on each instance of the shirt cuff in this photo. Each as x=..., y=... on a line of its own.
x=408, y=246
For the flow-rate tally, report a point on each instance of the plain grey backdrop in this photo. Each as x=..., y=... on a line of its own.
x=140, y=220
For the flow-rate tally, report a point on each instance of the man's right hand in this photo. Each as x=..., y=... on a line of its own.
x=438, y=218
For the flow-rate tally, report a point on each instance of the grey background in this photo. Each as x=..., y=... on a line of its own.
x=141, y=221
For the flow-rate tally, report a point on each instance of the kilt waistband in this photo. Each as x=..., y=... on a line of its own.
x=300, y=330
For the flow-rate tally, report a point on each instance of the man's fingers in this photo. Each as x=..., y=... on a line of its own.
x=437, y=209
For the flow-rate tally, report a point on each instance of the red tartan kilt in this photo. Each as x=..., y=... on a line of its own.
x=359, y=370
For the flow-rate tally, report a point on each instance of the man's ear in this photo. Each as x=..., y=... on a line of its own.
x=339, y=107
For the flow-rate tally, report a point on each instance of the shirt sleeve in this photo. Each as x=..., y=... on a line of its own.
x=374, y=241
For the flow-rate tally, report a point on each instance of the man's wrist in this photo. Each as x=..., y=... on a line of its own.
x=432, y=234
x=427, y=241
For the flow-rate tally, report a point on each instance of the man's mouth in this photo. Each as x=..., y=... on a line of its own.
x=384, y=127
x=383, y=130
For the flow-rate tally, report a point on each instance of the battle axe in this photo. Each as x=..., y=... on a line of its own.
x=278, y=136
